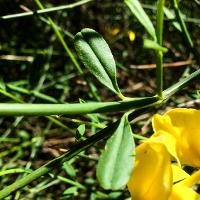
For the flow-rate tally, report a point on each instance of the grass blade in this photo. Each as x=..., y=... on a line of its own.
x=139, y=13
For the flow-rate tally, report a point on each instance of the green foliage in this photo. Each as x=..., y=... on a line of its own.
x=95, y=53
x=150, y=44
x=117, y=160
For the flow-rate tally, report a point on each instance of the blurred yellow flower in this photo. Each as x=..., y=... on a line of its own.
x=131, y=35
x=177, y=136
x=115, y=31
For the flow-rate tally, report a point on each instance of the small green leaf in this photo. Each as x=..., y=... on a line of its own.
x=96, y=55
x=116, y=162
x=150, y=44
x=138, y=11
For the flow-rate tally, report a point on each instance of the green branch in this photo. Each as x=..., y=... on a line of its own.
x=182, y=24
x=9, y=109
x=182, y=83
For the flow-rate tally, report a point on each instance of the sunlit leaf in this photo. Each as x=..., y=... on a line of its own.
x=96, y=55
x=116, y=162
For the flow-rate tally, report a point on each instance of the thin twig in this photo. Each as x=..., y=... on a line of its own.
x=44, y=11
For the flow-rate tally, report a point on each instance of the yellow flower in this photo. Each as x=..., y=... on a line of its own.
x=154, y=177
x=151, y=178
x=177, y=134
x=179, y=130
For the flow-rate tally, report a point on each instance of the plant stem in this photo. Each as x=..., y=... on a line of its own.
x=159, y=54
x=9, y=109
x=55, y=121
x=47, y=10
x=182, y=24
x=185, y=31
x=97, y=125
x=177, y=86
x=159, y=73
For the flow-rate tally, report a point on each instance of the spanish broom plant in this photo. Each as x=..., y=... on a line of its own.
x=150, y=170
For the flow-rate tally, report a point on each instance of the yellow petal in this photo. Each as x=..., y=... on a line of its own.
x=178, y=174
x=181, y=192
x=191, y=180
x=151, y=178
x=169, y=141
x=184, y=125
x=183, y=189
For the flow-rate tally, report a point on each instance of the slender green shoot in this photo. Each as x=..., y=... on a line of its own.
x=182, y=24
x=182, y=83
x=159, y=54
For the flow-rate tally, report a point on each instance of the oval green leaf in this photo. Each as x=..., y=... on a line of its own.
x=142, y=17
x=96, y=55
x=116, y=162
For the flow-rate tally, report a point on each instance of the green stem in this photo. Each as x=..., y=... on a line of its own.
x=97, y=125
x=14, y=171
x=159, y=73
x=55, y=121
x=185, y=31
x=10, y=109
x=159, y=54
x=177, y=86
x=159, y=24
x=182, y=24
x=71, y=182
x=7, y=94
x=44, y=11
x=58, y=123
